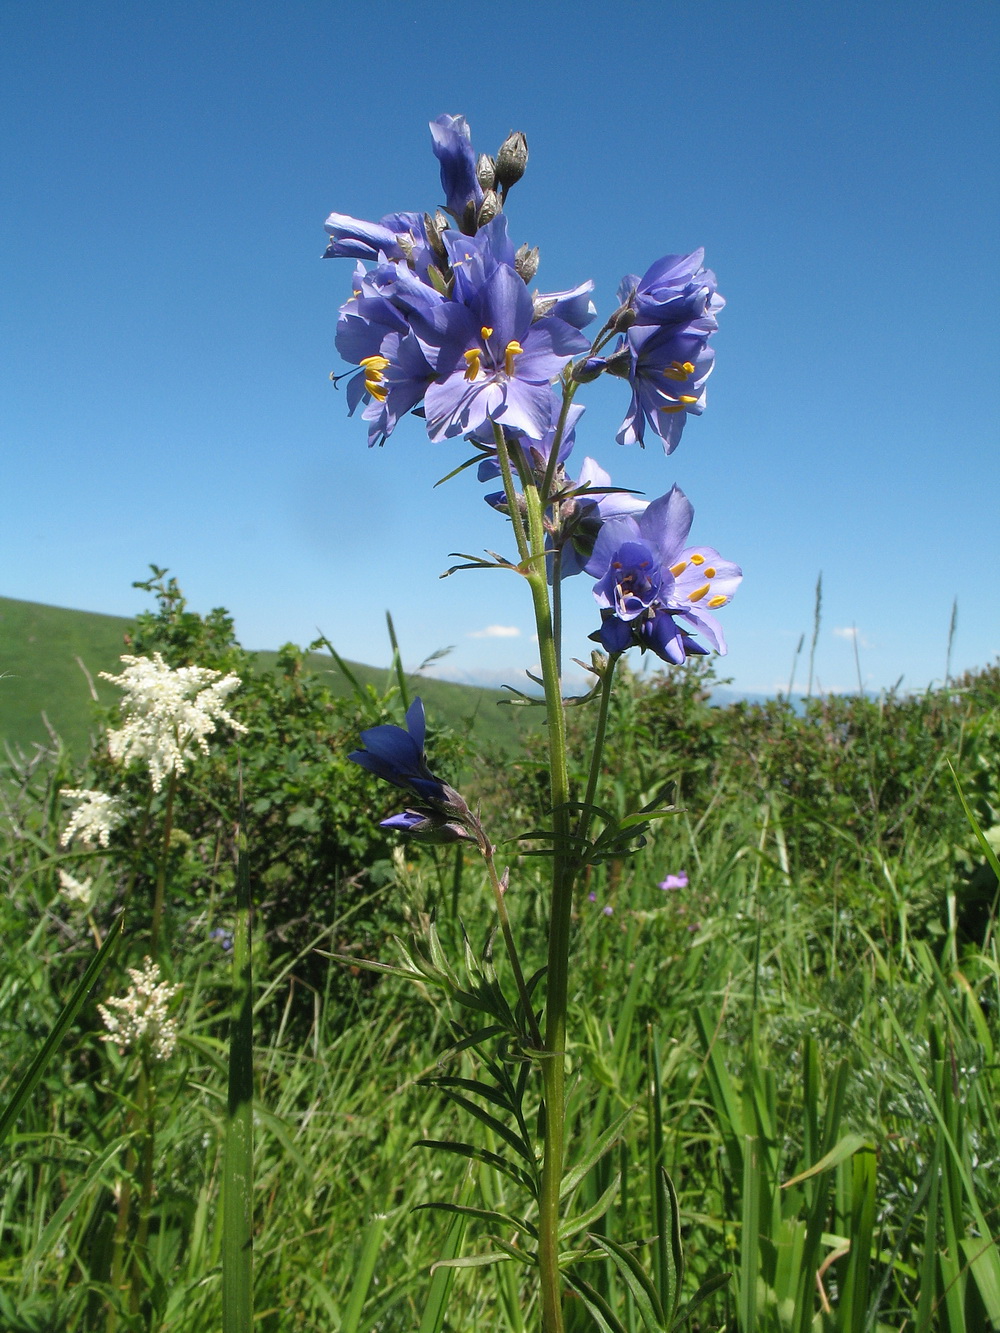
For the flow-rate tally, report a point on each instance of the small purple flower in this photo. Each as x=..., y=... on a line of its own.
x=224, y=938
x=592, y=897
x=607, y=909
x=678, y=881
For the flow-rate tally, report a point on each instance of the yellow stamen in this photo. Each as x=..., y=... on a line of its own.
x=679, y=370
x=683, y=401
x=697, y=559
x=716, y=602
x=512, y=349
x=374, y=379
x=699, y=594
x=679, y=568
x=485, y=333
x=473, y=357
x=710, y=572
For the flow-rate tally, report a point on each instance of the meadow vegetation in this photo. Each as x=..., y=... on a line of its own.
x=801, y=1028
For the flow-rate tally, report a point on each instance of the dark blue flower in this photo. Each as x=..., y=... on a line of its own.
x=396, y=755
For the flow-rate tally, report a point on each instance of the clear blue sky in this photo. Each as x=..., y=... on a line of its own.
x=169, y=324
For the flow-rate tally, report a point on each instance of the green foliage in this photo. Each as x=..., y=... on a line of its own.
x=787, y=1070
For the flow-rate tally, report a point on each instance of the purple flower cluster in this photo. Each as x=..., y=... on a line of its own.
x=441, y=323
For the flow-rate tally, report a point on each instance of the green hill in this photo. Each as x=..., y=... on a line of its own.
x=50, y=657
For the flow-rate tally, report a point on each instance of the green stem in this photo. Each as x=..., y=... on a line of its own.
x=147, y=1105
x=237, y=1176
x=510, y=490
x=161, y=871
x=508, y=939
x=560, y=911
x=569, y=389
x=599, y=737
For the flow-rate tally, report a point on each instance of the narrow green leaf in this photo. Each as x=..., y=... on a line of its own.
x=981, y=1256
x=981, y=838
x=605, y=1319
x=432, y=1320
x=509, y=1169
x=69, y=1012
x=484, y=1215
x=472, y=1261
x=706, y=1289
x=669, y=1217
x=847, y=1147
x=56, y=1222
x=509, y=1136
x=575, y=1175
x=570, y=1226
x=636, y=1279
x=361, y=1278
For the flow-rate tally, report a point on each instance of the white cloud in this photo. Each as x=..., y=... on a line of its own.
x=496, y=632
x=850, y=632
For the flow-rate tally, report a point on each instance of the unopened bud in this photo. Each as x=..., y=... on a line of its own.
x=526, y=261
x=623, y=318
x=486, y=172
x=585, y=371
x=620, y=364
x=489, y=208
x=433, y=228
x=511, y=160
x=467, y=223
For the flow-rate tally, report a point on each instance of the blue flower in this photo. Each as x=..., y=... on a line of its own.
x=453, y=149
x=675, y=291
x=493, y=360
x=396, y=755
x=650, y=587
x=669, y=368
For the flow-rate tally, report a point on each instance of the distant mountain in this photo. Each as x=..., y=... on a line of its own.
x=50, y=658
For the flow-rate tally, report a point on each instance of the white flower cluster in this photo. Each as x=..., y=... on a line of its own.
x=167, y=710
x=94, y=819
x=79, y=892
x=141, y=1014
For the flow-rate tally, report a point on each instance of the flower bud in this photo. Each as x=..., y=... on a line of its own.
x=585, y=371
x=620, y=363
x=511, y=160
x=486, y=172
x=623, y=318
x=433, y=227
x=468, y=222
x=489, y=208
x=526, y=261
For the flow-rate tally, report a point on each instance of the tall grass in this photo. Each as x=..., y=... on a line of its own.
x=804, y=1041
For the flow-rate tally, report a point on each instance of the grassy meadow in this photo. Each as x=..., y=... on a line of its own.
x=803, y=1034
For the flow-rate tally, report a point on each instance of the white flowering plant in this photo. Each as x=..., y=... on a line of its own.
x=167, y=711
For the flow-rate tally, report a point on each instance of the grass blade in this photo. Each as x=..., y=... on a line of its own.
x=66, y=1017
x=237, y=1170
